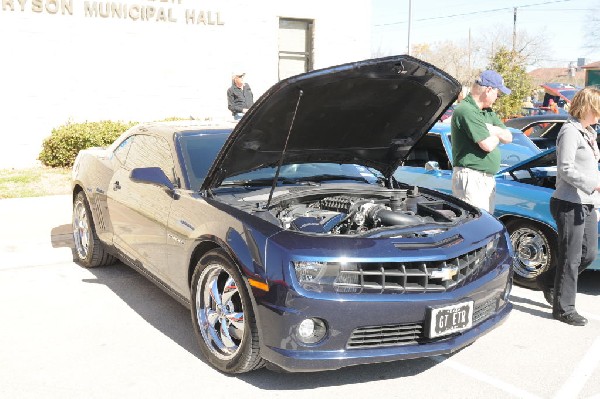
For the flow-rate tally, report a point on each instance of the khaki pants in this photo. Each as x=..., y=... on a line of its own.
x=475, y=187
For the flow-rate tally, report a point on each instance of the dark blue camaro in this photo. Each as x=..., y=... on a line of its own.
x=286, y=234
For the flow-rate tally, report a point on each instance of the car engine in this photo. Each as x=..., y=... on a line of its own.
x=356, y=214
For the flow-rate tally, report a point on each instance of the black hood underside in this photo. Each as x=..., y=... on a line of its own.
x=368, y=113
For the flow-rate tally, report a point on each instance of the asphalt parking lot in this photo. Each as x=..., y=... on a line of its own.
x=70, y=332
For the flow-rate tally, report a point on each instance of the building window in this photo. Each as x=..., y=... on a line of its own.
x=295, y=47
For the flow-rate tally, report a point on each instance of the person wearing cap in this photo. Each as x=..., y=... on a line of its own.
x=476, y=131
x=239, y=95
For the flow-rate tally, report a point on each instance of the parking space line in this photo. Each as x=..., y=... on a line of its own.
x=478, y=375
x=581, y=373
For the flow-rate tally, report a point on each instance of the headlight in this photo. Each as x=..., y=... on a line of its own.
x=498, y=248
x=492, y=247
x=328, y=276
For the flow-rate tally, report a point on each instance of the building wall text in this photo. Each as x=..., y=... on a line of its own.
x=169, y=11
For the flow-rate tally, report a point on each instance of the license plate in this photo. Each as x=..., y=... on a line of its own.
x=450, y=319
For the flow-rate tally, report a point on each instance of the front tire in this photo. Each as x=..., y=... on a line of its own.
x=89, y=250
x=222, y=315
x=535, y=250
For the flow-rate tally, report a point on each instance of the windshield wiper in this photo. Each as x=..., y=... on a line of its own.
x=307, y=180
x=321, y=178
x=257, y=182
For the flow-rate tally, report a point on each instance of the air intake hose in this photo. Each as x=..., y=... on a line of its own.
x=391, y=218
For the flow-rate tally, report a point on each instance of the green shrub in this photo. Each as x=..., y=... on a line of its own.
x=174, y=118
x=61, y=148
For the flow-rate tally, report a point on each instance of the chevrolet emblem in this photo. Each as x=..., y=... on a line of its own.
x=444, y=273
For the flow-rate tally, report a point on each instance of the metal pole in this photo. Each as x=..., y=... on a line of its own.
x=409, y=24
x=469, y=75
x=514, y=29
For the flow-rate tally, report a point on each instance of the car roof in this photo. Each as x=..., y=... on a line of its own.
x=168, y=128
x=521, y=122
x=444, y=128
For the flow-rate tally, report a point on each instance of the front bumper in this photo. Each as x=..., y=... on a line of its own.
x=345, y=314
x=315, y=360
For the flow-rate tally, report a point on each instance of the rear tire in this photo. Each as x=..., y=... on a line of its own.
x=89, y=250
x=222, y=315
x=535, y=250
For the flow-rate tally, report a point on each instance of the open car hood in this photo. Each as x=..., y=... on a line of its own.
x=368, y=113
x=543, y=159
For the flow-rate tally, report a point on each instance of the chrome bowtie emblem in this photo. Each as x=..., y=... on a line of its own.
x=445, y=273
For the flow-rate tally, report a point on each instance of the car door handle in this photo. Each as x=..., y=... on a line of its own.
x=116, y=186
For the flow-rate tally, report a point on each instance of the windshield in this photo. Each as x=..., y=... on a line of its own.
x=303, y=173
x=520, y=149
x=569, y=93
x=199, y=150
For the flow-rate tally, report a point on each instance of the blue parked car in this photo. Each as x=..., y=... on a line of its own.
x=524, y=186
x=278, y=237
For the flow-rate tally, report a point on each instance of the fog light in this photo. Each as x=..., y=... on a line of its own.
x=311, y=331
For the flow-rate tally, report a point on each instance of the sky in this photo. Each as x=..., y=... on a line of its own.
x=562, y=22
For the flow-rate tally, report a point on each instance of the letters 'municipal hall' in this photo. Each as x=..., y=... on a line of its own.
x=144, y=60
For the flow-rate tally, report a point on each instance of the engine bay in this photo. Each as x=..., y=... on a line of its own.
x=357, y=213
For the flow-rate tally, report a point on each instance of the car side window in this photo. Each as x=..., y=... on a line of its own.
x=123, y=149
x=429, y=148
x=150, y=151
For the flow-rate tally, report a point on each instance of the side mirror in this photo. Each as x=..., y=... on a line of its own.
x=432, y=165
x=153, y=175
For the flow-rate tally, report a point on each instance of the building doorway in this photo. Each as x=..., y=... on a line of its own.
x=295, y=47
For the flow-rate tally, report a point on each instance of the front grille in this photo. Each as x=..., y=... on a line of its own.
x=411, y=277
x=388, y=335
x=409, y=334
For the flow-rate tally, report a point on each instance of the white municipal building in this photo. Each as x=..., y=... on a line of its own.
x=145, y=60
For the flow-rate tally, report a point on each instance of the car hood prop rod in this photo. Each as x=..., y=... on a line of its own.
x=284, y=150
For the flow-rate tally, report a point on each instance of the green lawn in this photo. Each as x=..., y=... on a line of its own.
x=34, y=182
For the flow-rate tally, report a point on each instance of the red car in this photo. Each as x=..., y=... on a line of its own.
x=561, y=93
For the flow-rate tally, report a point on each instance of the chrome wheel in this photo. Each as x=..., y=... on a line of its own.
x=81, y=229
x=532, y=252
x=220, y=312
x=88, y=250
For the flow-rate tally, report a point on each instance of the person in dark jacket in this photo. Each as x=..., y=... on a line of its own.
x=239, y=96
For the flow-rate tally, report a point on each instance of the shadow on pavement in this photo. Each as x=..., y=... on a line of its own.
x=546, y=313
x=62, y=236
x=589, y=282
x=171, y=318
x=268, y=380
x=159, y=309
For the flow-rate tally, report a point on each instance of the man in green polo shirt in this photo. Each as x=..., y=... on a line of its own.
x=476, y=133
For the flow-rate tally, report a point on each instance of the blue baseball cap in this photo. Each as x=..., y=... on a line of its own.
x=493, y=79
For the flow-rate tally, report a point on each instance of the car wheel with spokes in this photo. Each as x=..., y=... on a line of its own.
x=222, y=315
x=89, y=250
x=535, y=250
